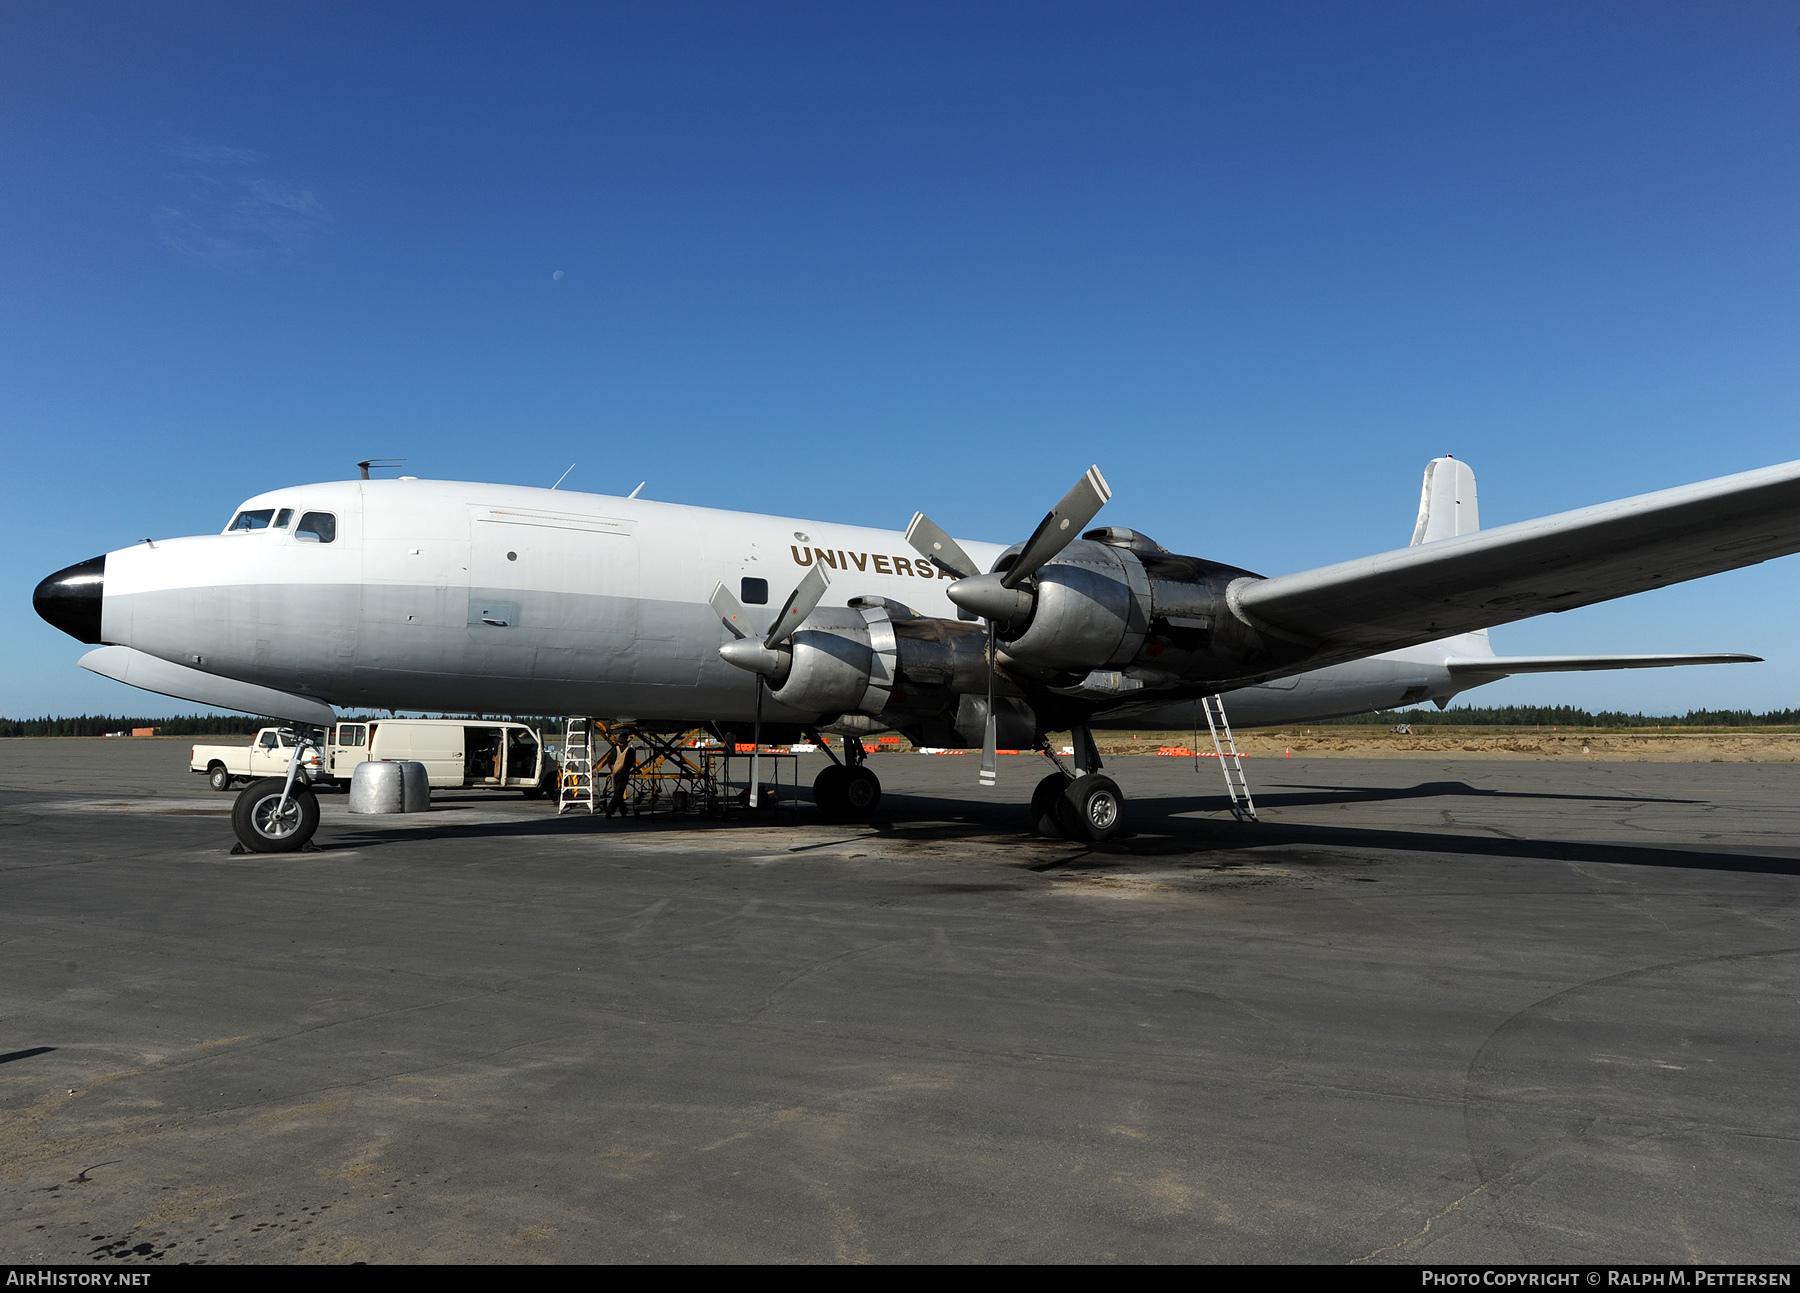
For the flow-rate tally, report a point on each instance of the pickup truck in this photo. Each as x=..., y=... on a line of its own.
x=267, y=755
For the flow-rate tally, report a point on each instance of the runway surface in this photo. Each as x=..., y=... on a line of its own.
x=1470, y=1012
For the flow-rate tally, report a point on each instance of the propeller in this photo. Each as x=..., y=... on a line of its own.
x=760, y=657
x=999, y=597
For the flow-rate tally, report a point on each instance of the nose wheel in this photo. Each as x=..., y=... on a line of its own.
x=264, y=825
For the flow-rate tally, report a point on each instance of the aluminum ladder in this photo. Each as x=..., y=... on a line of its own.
x=575, y=784
x=1242, y=806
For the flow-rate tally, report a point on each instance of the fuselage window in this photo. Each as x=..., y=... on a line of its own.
x=282, y=518
x=257, y=520
x=755, y=592
x=320, y=527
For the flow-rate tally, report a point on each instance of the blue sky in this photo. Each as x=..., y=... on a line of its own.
x=1259, y=262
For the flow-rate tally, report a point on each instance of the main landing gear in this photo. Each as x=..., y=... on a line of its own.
x=1088, y=807
x=846, y=791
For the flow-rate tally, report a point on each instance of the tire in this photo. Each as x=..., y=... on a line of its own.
x=1092, y=809
x=828, y=790
x=548, y=781
x=1043, y=805
x=862, y=793
x=218, y=777
x=250, y=816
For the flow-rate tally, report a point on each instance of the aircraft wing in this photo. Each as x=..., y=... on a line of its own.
x=1555, y=563
x=1511, y=664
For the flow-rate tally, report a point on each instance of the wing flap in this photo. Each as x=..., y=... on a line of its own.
x=1555, y=563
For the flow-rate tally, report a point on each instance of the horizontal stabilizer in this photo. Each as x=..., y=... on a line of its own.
x=138, y=669
x=1511, y=664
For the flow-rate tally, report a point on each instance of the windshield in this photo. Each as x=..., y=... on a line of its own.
x=257, y=520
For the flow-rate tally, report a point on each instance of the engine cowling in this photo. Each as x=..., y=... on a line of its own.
x=881, y=659
x=1116, y=601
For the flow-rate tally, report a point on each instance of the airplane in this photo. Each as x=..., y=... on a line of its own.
x=453, y=596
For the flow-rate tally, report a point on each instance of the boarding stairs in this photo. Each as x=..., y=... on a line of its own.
x=1242, y=806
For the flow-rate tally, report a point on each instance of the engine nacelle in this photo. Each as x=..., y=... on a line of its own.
x=1116, y=601
x=1092, y=611
x=879, y=658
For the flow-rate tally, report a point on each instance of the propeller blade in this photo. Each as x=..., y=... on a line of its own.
x=930, y=542
x=1061, y=527
x=756, y=747
x=990, y=739
x=731, y=611
x=800, y=603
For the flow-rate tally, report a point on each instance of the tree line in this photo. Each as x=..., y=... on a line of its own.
x=101, y=724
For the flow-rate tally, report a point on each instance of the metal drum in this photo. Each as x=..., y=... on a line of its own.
x=390, y=786
x=415, y=784
x=377, y=786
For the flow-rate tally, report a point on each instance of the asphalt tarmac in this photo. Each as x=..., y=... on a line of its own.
x=1421, y=1013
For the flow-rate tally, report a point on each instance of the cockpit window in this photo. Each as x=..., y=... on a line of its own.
x=282, y=518
x=257, y=520
x=319, y=527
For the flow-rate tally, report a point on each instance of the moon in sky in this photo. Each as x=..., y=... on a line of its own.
x=557, y=276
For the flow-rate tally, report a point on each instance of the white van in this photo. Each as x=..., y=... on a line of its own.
x=456, y=752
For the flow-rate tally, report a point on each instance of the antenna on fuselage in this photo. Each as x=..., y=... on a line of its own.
x=560, y=479
x=367, y=463
x=634, y=493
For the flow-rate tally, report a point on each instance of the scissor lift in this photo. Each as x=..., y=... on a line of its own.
x=663, y=776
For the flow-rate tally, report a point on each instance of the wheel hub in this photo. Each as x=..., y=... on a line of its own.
x=273, y=824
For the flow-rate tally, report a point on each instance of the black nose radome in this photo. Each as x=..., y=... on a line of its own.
x=70, y=599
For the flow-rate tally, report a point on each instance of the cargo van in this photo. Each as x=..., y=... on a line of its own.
x=456, y=752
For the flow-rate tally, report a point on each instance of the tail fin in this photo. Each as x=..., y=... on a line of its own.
x=1447, y=501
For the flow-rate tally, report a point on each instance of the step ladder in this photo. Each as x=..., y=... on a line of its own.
x=1242, y=806
x=575, y=784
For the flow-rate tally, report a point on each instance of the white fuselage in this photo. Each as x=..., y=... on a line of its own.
x=460, y=597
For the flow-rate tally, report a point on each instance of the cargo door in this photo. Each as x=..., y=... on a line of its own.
x=350, y=748
x=552, y=596
x=483, y=756
x=522, y=754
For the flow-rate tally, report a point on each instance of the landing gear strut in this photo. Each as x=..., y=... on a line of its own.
x=1086, y=807
x=847, y=790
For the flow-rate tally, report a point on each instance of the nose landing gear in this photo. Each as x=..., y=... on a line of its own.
x=263, y=823
x=278, y=814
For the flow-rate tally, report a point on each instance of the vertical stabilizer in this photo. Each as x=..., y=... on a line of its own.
x=1447, y=502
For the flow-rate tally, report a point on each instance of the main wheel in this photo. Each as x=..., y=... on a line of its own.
x=862, y=792
x=1092, y=808
x=828, y=790
x=218, y=777
x=263, y=827
x=1043, y=804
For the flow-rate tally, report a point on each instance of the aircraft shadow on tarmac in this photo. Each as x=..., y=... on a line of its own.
x=1160, y=828
x=1426, y=790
